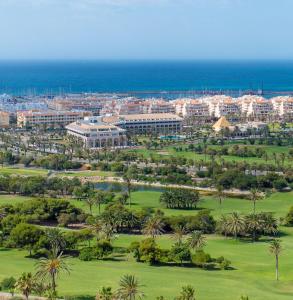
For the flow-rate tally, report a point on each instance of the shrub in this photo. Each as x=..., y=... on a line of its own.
x=86, y=254
x=200, y=258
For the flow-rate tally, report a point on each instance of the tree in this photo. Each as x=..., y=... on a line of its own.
x=25, y=284
x=154, y=226
x=235, y=224
x=129, y=288
x=179, y=232
x=55, y=238
x=25, y=236
x=127, y=180
x=8, y=284
x=196, y=241
x=254, y=196
x=50, y=268
x=105, y=293
x=220, y=193
x=187, y=293
x=275, y=249
x=180, y=253
x=91, y=201
x=253, y=225
x=180, y=199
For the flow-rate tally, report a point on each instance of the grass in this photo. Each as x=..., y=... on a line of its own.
x=167, y=151
x=253, y=273
x=87, y=173
x=22, y=171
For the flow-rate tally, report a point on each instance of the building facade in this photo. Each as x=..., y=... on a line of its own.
x=147, y=123
x=48, y=118
x=96, y=134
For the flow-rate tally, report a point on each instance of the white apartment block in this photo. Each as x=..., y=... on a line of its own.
x=195, y=108
x=283, y=106
x=48, y=118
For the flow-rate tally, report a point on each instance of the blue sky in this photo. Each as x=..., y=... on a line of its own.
x=146, y=29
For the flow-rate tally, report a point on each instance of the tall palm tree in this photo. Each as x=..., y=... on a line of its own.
x=127, y=180
x=129, y=288
x=196, y=241
x=56, y=238
x=153, y=227
x=253, y=224
x=25, y=284
x=255, y=195
x=51, y=267
x=235, y=224
x=220, y=193
x=275, y=249
x=178, y=234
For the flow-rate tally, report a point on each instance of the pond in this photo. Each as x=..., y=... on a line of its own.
x=119, y=187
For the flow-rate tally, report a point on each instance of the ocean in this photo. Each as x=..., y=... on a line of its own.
x=57, y=77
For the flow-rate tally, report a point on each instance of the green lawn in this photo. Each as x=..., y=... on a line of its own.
x=87, y=173
x=22, y=171
x=167, y=151
x=253, y=273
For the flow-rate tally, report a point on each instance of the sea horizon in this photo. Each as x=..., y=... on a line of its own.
x=59, y=76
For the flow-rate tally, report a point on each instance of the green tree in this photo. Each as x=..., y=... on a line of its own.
x=187, y=293
x=25, y=236
x=8, y=284
x=105, y=293
x=25, y=284
x=129, y=288
x=196, y=240
x=49, y=268
x=235, y=224
x=275, y=249
x=154, y=226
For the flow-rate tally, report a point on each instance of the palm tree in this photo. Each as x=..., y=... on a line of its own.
x=178, y=234
x=275, y=249
x=235, y=224
x=105, y=294
x=253, y=224
x=90, y=201
x=220, y=193
x=254, y=196
x=25, y=284
x=187, y=293
x=56, y=238
x=153, y=227
x=128, y=185
x=50, y=268
x=129, y=288
x=196, y=241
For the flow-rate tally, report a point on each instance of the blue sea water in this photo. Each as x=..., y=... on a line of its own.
x=44, y=77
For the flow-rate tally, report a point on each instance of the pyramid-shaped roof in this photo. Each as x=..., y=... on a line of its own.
x=221, y=123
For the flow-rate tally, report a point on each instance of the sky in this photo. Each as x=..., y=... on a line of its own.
x=146, y=29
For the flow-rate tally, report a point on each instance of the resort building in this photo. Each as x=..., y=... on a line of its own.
x=158, y=107
x=283, y=106
x=95, y=134
x=147, y=123
x=4, y=119
x=227, y=108
x=34, y=118
x=260, y=109
x=195, y=108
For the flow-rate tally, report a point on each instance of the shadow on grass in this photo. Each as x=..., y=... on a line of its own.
x=79, y=297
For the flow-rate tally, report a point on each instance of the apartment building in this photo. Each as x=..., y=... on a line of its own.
x=95, y=134
x=283, y=106
x=147, y=123
x=48, y=118
x=195, y=108
x=4, y=119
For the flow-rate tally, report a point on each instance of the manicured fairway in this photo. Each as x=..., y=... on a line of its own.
x=22, y=171
x=253, y=273
x=87, y=173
